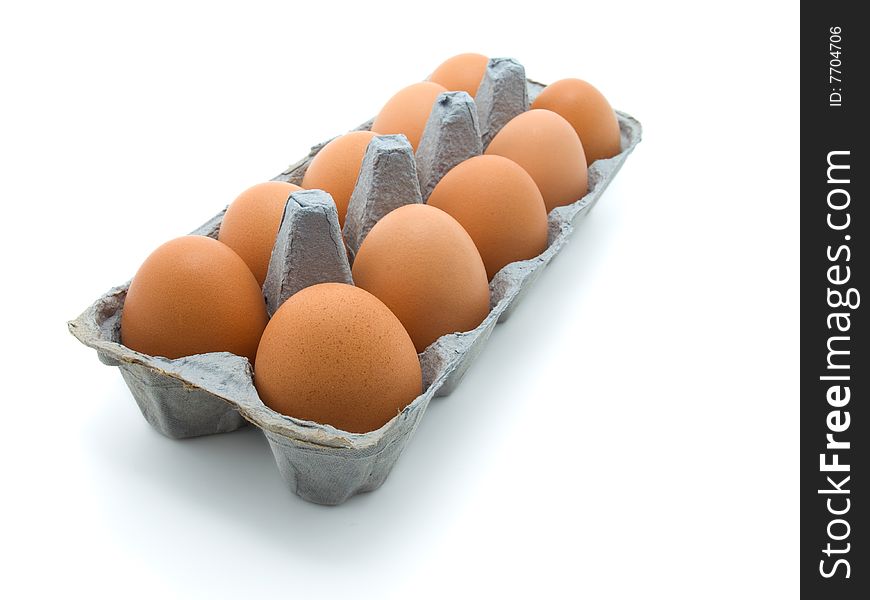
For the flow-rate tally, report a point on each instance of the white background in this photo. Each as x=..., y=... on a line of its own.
x=631, y=432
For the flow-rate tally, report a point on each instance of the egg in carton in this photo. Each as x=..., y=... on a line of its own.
x=214, y=393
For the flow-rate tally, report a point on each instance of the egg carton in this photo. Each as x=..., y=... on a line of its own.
x=214, y=393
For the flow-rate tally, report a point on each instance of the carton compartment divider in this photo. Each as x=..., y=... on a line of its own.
x=308, y=248
x=387, y=180
x=452, y=135
x=502, y=95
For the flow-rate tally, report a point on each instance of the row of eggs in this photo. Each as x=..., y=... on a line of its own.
x=347, y=355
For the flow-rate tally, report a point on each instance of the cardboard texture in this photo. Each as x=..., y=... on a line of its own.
x=308, y=249
x=452, y=135
x=214, y=393
x=502, y=95
x=387, y=180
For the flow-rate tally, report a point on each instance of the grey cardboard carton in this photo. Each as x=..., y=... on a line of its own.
x=214, y=393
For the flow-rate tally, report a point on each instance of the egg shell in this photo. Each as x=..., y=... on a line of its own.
x=193, y=295
x=425, y=267
x=334, y=354
x=500, y=207
x=251, y=223
x=588, y=112
x=408, y=110
x=336, y=167
x=547, y=147
x=461, y=73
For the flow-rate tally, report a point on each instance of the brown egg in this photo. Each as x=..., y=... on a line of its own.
x=546, y=146
x=251, y=223
x=191, y=296
x=408, y=111
x=461, y=73
x=335, y=168
x=589, y=113
x=334, y=354
x=500, y=207
x=423, y=265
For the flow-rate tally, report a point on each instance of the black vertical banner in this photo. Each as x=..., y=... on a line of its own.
x=834, y=370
